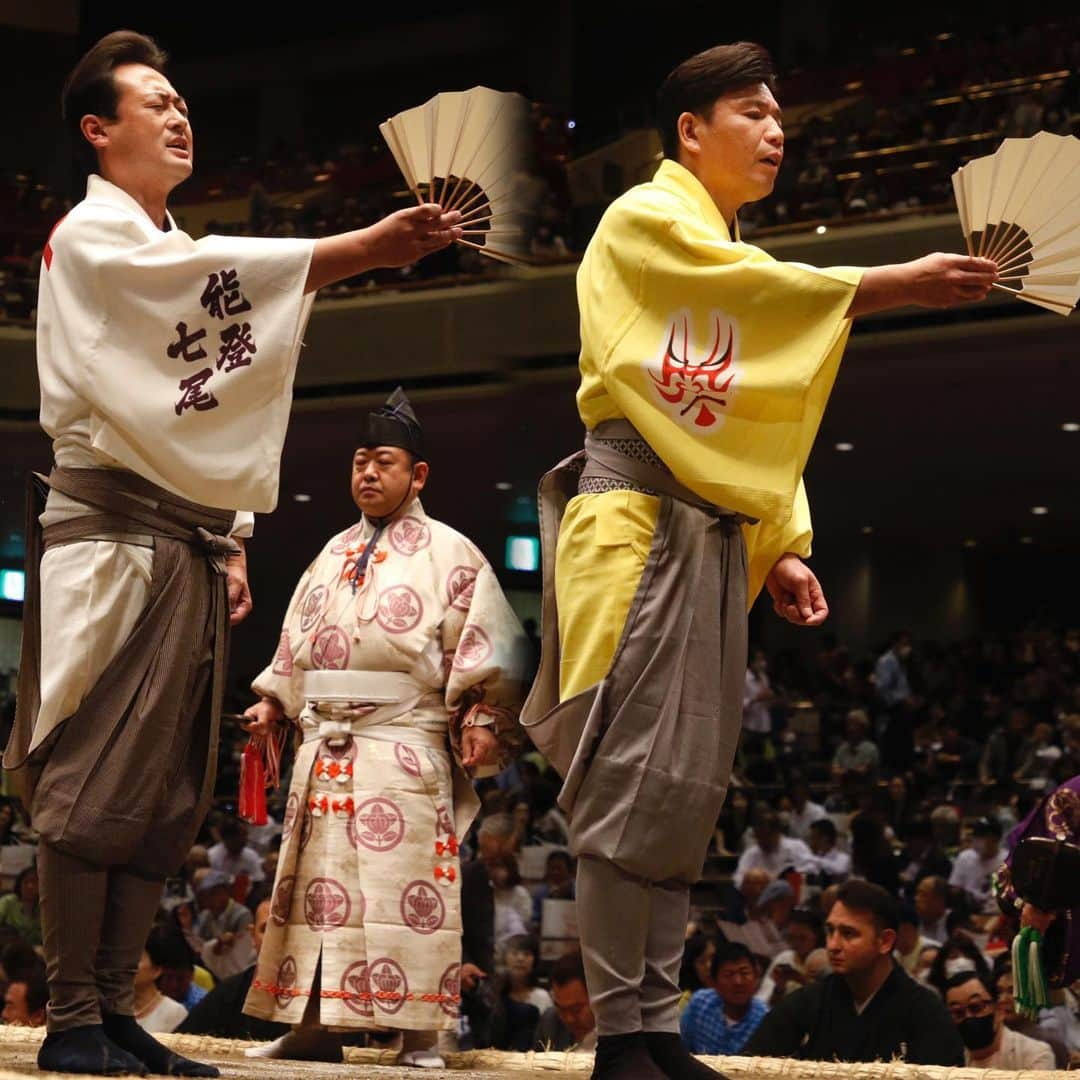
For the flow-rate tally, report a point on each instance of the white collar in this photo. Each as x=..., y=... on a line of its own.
x=100, y=190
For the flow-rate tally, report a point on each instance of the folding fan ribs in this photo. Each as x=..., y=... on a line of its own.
x=1020, y=206
x=466, y=150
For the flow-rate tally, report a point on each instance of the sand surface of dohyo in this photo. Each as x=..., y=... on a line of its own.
x=19, y=1046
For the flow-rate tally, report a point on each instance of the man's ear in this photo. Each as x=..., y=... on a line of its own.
x=420, y=475
x=94, y=131
x=886, y=942
x=687, y=127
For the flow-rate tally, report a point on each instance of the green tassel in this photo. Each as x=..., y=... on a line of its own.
x=1029, y=977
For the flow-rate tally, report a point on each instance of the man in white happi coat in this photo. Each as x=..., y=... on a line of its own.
x=401, y=664
x=166, y=368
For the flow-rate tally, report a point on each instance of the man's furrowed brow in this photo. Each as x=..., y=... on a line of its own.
x=166, y=94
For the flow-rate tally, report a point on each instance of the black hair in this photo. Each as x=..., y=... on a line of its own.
x=812, y=920
x=695, y=84
x=965, y=977
x=695, y=947
x=731, y=952
x=168, y=949
x=90, y=89
x=827, y=828
x=568, y=968
x=936, y=976
x=872, y=899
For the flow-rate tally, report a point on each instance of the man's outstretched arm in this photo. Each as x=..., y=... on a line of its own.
x=937, y=280
x=398, y=239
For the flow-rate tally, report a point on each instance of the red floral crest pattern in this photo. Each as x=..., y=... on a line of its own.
x=285, y=981
x=473, y=649
x=422, y=908
x=356, y=989
x=460, y=586
x=378, y=824
x=348, y=540
x=327, y=905
x=400, y=609
x=313, y=607
x=408, y=536
x=282, y=903
x=330, y=652
x=450, y=990
x=388, y=984
x=292, y=813
x=407, y=759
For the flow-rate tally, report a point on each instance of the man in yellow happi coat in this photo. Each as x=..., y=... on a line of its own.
x=705, y=369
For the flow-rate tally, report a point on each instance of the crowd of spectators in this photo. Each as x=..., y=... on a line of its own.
x=891, y=137
x=850, y=878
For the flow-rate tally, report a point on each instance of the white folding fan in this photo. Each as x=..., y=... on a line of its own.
x=1020, y=206
x=466, y=150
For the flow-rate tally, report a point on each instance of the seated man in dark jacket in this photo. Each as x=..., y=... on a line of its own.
x=868, y=1009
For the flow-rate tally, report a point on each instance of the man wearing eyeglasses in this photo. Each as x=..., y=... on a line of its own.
x=980, y=1019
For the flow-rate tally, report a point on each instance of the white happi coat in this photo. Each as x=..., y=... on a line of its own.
x=113, y=294
x=383, y=680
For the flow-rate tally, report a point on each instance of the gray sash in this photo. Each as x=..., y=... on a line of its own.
x=128, y=778
x=647, y=752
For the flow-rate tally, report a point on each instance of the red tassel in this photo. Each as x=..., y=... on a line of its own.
x=260, y=768
x=252, y=806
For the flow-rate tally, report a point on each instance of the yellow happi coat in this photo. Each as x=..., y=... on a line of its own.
x=723, y=359
x=368, y=886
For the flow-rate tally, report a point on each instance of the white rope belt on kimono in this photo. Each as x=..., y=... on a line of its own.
x=368, y=705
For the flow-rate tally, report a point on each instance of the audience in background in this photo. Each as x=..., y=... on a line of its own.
x=800, y=963
x=988, y=1043
x=569, y=1024
x=772, y=851
x=233, y=856
x=722, y=1019
x=931, y=902
x=220, y=1012
x=833, y=865
x=154, y=1010
x=25, y=999
x=20, y=909
x=975, y=866
x=521, y=1001
x=910, y=943
x=931, y=834
x=221, y=934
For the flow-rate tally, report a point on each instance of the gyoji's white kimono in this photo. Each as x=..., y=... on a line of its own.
x=168, y=357
x=382, y=680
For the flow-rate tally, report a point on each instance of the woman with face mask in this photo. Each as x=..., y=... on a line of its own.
x=959, y=955
x=989, y=1044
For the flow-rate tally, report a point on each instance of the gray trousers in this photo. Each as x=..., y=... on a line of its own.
x=647, y=752
x=94, y=925
x=632, y=938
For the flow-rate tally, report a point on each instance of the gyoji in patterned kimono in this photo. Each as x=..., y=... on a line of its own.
x=401, y=664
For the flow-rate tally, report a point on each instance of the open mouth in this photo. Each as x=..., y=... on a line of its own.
x=178, y=144
x=773, y=160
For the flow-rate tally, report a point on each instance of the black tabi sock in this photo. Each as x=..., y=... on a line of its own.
x=159, y=1059
x=86, y=1050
